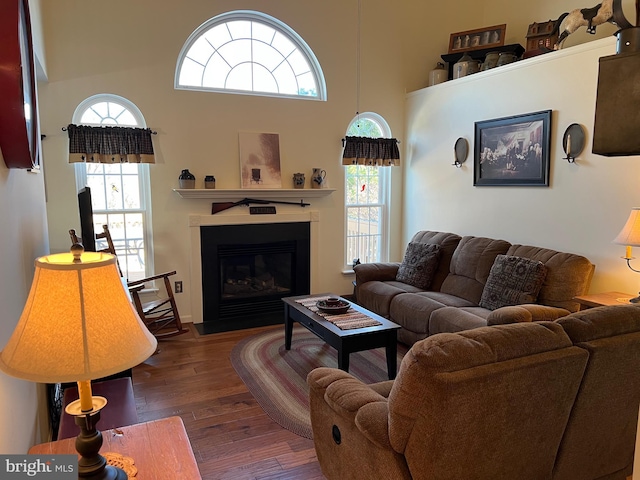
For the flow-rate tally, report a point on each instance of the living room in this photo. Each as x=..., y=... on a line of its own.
x=132, y=52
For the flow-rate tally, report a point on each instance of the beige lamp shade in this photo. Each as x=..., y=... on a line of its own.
x=77, y=324
x=630, y=234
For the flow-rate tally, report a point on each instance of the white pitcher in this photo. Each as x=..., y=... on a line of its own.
x=317, y=178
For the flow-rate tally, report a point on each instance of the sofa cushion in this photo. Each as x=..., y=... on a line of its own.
x=419, y=265
x=512, y=281
x=377, y=296
x=526, y=312
x=456, y=319
x=470, y=266
x=448, y=243
x=568, y=275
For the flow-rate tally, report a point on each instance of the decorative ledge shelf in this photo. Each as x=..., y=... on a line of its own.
x=259, y=193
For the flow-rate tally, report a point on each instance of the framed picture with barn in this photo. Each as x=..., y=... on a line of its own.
x=513, y=150
x=477, y=39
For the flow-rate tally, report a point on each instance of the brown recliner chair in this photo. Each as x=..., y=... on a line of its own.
x=600, y=437
x=489, y=403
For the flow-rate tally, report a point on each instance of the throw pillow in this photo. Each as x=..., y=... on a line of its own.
x=512, y=281
x=419, y=265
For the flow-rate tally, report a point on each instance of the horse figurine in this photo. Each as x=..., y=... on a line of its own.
x=607, y=11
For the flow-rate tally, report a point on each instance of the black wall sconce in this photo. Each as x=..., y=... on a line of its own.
x=460, y=150
x=573, y=142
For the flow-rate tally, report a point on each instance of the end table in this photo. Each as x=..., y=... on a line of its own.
x=603, y=299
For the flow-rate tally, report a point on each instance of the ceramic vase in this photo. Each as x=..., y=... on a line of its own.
x=187, y=179
x=298, y=180
x=209, y=181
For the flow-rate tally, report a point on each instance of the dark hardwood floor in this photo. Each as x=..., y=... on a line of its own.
x=232, y=438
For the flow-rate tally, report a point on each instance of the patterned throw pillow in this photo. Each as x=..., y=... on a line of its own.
x=513, y=281
x=419, y=265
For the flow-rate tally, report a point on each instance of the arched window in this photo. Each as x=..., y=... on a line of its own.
x=120, y=193
x=252, y=53
x=366, y=198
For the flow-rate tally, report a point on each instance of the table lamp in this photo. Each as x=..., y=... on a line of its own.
x=630, y=236
x=78, y=325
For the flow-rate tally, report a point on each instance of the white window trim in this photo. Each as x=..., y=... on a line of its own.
x=144, y=182
x=385, y=193
x=273, y=22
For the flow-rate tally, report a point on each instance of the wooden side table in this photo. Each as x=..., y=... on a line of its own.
x=160, y=449
x=603, y=299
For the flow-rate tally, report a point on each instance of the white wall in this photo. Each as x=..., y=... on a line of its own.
x=586, y=204
x=23, y=238
x=199, y=130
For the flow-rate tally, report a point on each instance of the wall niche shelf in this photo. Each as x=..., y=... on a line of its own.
x=259, y=193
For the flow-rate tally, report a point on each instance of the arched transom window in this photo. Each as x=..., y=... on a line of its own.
x=249, y=52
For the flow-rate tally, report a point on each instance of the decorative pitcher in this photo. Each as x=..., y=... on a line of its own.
x=317, y=178
x=298, y=180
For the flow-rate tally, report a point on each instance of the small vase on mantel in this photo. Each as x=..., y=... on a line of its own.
x=210, y=182
x=187, y=179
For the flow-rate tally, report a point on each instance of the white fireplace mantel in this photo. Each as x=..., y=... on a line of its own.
x=231, y=195
x=197, y=221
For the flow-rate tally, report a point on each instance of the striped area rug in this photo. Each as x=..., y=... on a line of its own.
x=277, y=377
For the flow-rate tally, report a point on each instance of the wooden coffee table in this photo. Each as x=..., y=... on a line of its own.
x=344, y=341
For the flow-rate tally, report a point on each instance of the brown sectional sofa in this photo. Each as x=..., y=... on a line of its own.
x=452, y=301
x=532, y=401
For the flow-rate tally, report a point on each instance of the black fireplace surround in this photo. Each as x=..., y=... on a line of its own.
x=248, y=269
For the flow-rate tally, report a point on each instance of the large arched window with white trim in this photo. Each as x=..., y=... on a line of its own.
x=120, y=193
x=366, y=197
x=251, y=53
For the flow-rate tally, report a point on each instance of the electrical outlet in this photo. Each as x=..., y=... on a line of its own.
x=178, y=286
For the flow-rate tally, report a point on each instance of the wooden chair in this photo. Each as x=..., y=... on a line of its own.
x=160, y=316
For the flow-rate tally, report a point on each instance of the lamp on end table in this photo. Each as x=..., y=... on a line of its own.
x=630, y=236
x=78, y=325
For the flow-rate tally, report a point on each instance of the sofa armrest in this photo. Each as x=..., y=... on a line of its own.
x=353, y=400
x=367, y=272
x=372, y=421
x=344, y=393
x=528, y=312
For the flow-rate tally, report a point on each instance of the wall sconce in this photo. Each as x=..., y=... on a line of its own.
x=630, y=236
x=460, y=151
x=573, y=142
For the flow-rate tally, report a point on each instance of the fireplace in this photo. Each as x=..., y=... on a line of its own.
x=247, y=270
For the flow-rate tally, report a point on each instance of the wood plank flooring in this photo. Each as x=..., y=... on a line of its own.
x=232, y=438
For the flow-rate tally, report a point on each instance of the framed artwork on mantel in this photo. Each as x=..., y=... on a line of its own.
x=260, y=160
x=513, y=150
x=477, y=39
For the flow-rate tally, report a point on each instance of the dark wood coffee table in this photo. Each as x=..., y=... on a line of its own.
x=344, y=341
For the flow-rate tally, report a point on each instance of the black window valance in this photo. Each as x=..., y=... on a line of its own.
x=380, y=152
x=110, y=144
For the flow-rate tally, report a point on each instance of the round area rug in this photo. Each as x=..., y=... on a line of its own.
x=277, y=377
